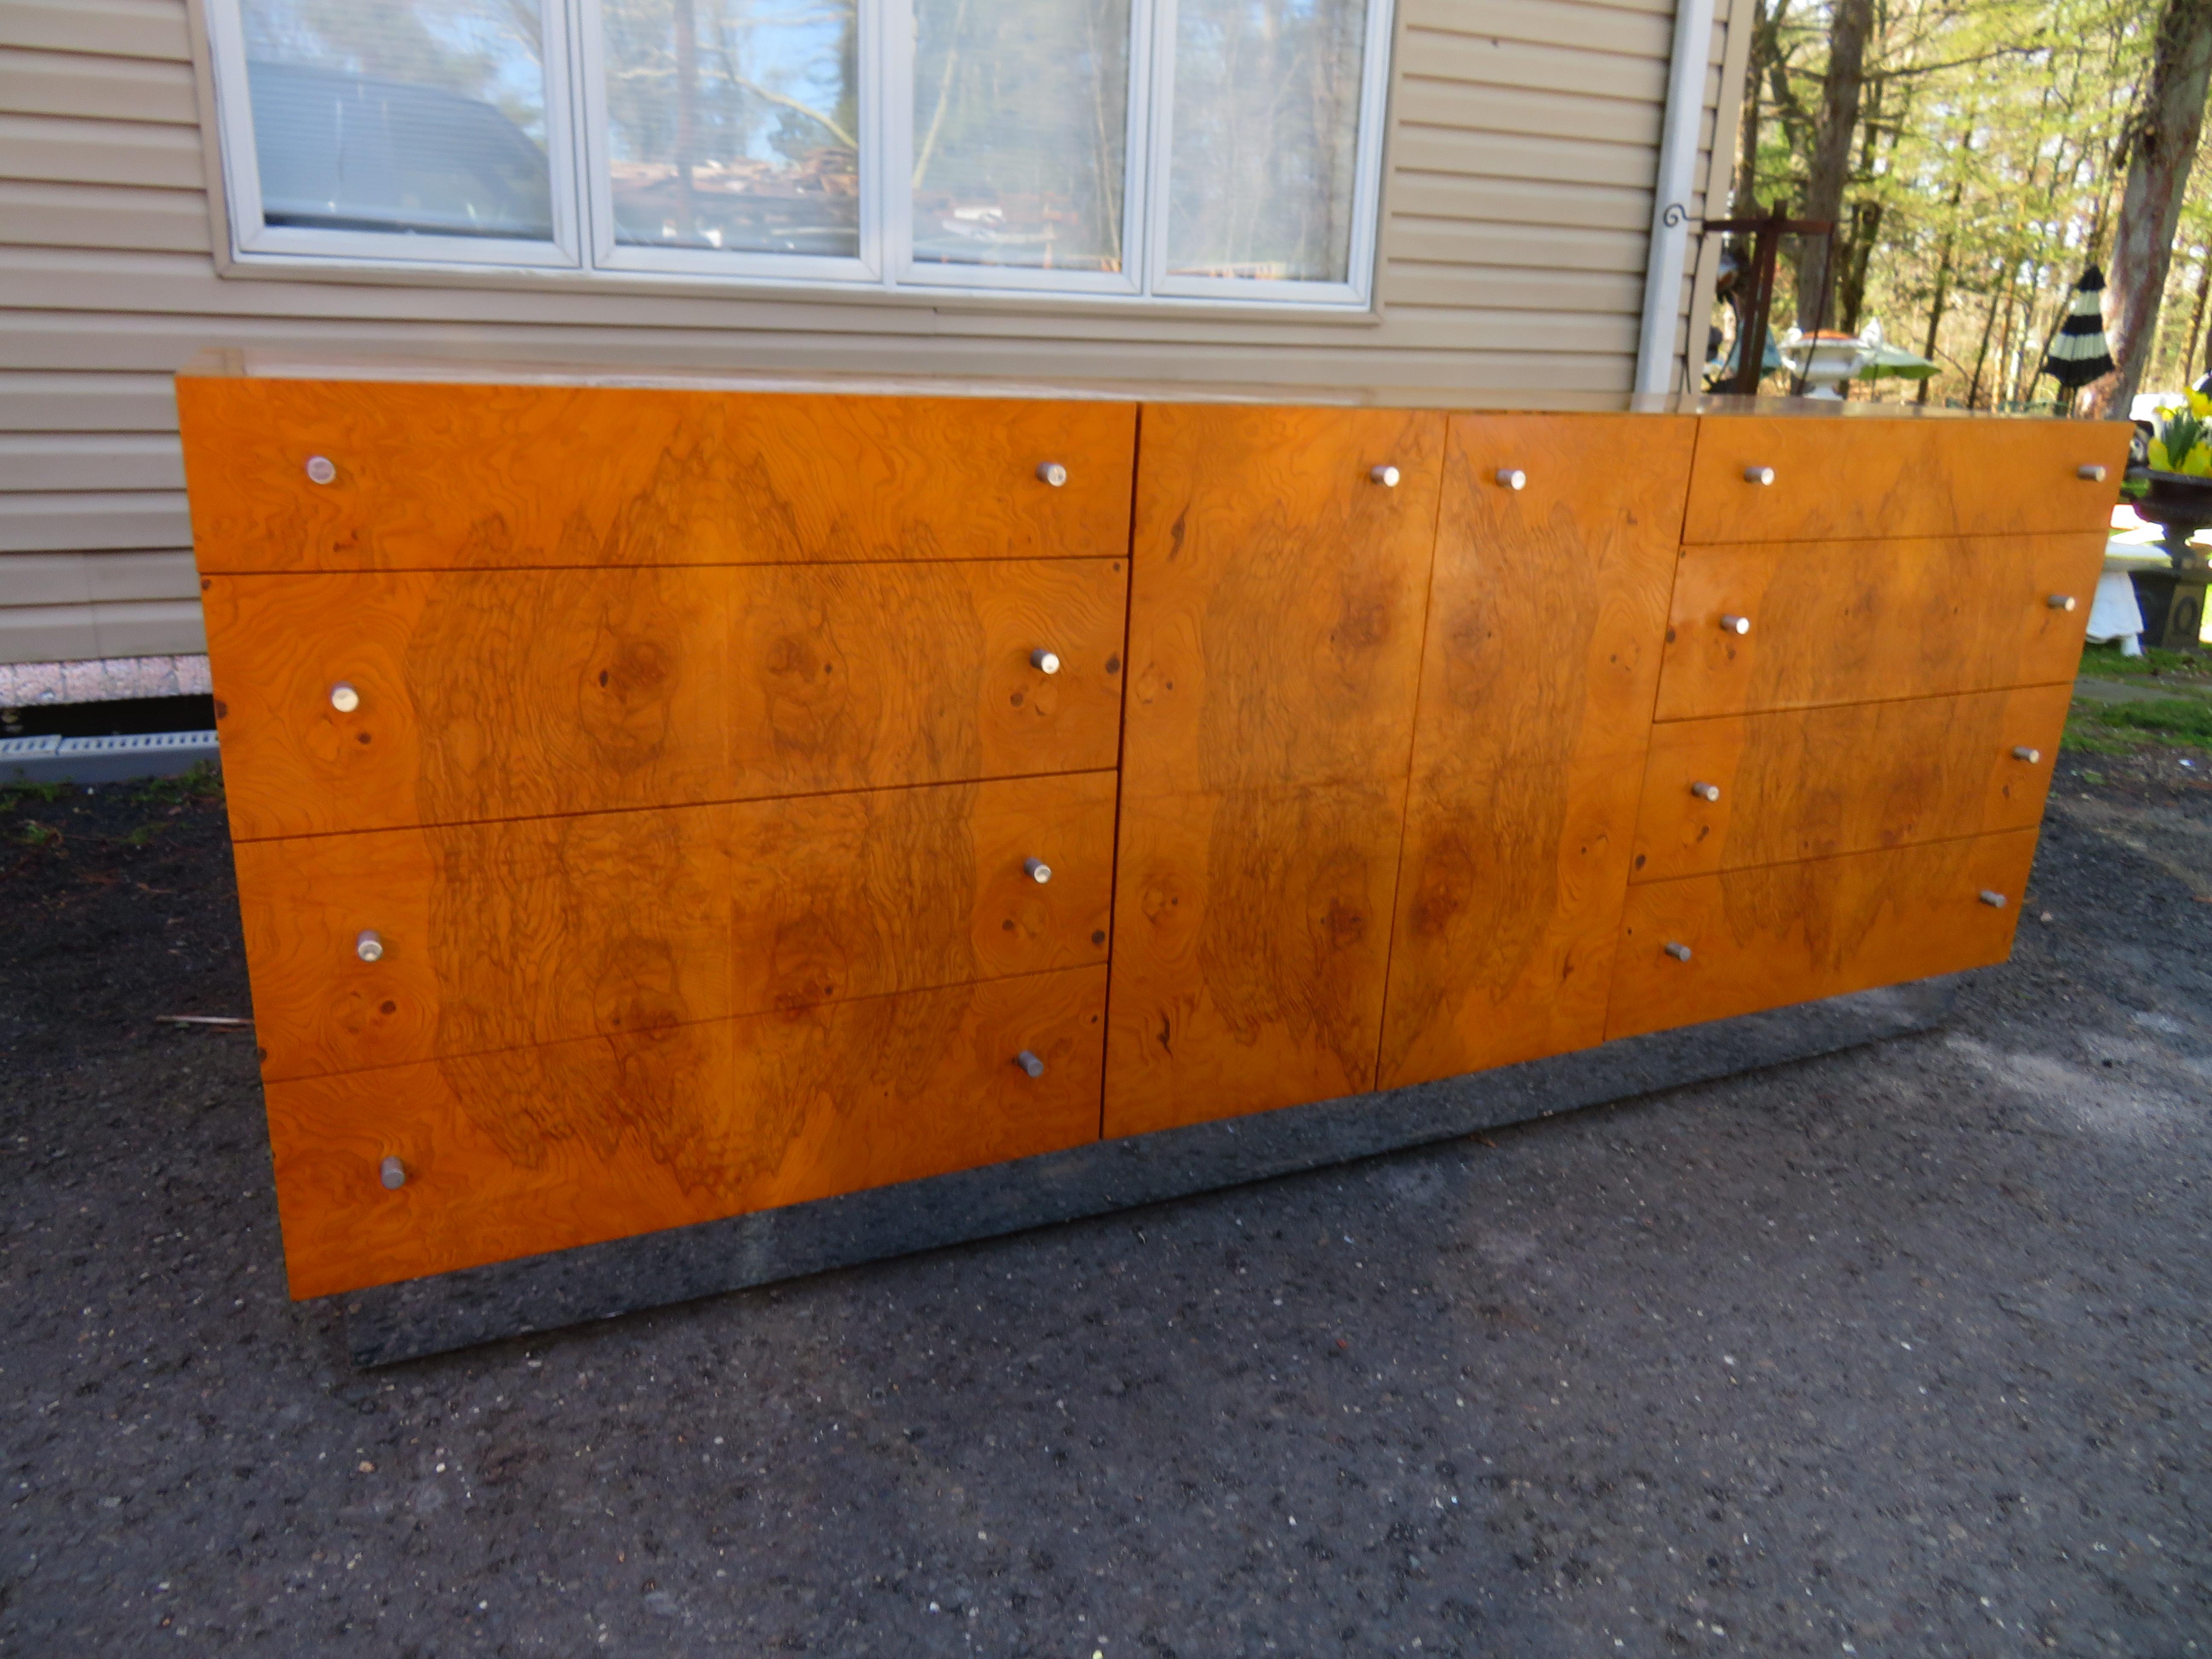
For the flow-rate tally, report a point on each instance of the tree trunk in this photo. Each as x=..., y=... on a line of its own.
x=1746, y=203
x=1866, y=217
x=2197, y=322
x=2000, y=392
x=1838, y=124
x=2161, y=147
x=1850, y=291
x=1950, y=247
x=1943, y=294
x=1989, y=326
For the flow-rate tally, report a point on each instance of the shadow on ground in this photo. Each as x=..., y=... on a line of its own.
x=1901, y=1351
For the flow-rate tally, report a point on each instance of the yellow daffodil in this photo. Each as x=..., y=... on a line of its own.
x=2180, y=444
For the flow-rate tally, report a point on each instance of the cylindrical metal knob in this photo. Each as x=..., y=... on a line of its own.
x=1030, y=1063
x=368, y=945
x=320, y=470
x=1735, y=625
x=1512, y=478
x=1037, y=871
x=1045, y=662
x=1995, y=901
x=1385, y=476
x=1679, y=952
x=1052, y=473
x=1759, y=475
x=2090, y=474
x=2024, y=753
x=345, y=698
x=1706, y=792
x=393, y=1174
x=2060, y=601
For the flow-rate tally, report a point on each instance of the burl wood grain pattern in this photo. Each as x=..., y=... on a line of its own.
x=1548, y=608
x=1862, y=622
x=1276, y=595
x=523, y=1150
x=518, y=694
x=1844, y=479
x=1811, y=783
x=534, y=931
x=461, y=476
x=1783, y=933
x=1546, y=622
x=1507, y=914
x=1251, y=932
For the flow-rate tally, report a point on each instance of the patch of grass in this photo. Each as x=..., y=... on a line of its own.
x=2104, y=662
x=2077, y=740
x=203, y=783
x=32, y=833
x=2135, y=728
x=2182, y=718
x=142, y=836
x=14, y=794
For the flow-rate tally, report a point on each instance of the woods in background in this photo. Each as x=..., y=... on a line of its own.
x=1975, y=157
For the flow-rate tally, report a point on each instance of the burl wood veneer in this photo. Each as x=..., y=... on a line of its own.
x=1547, y=617
x=659, y=803
x=518, y=694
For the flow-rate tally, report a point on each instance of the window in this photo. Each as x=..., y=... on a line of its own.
x=1188, y=150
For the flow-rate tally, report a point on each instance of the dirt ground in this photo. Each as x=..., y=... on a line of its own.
x=1903, y=1350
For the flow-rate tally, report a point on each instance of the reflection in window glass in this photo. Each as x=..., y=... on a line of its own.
x=1020, y=126
x=1266, y=127
x=735, y=124
x=424, y=116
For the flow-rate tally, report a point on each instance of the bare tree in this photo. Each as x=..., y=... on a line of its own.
x=1834, y=129
x=2161, y=144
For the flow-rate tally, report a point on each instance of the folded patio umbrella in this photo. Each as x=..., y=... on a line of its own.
x=2078, y=353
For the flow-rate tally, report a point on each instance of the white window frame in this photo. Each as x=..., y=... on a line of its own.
x=584, y=245
x=933, y=275
x=1366, y=182
x=735, y=264
x=253, y=238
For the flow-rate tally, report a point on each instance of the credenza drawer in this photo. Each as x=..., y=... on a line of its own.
x=1841, y=478
x=498, y=935
x=527, y=1149
x=1768, y=627
x=361, y=475
x=1746, y=789
x=376, y=701
x=1705, y=947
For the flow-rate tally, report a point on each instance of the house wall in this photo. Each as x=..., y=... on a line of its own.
x=1522, y=147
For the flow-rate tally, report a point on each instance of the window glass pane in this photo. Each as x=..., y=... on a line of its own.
x=400, y=115
x=735, y=124
x=1020, y=124
x=1266, y=127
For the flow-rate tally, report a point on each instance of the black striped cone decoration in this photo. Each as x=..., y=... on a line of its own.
x=2078, y=353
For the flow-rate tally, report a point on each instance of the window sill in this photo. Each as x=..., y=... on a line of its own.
x=959, y=303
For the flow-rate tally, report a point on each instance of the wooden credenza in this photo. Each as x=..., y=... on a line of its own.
x=659, y=803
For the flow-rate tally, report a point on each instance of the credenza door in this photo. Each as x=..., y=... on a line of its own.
x=1279, y=579
x=1555, y=559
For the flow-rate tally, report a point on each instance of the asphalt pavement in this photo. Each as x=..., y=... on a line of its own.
x=1902, y=1351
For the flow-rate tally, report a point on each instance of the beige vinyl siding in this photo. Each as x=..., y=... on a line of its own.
x=1522, y=153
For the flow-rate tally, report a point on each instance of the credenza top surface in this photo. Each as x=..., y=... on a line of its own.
x=233, y=363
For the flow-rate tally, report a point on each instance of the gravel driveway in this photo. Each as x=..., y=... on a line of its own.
x=1903, y=1350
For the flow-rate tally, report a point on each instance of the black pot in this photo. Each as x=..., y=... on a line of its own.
x=2180, y=504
